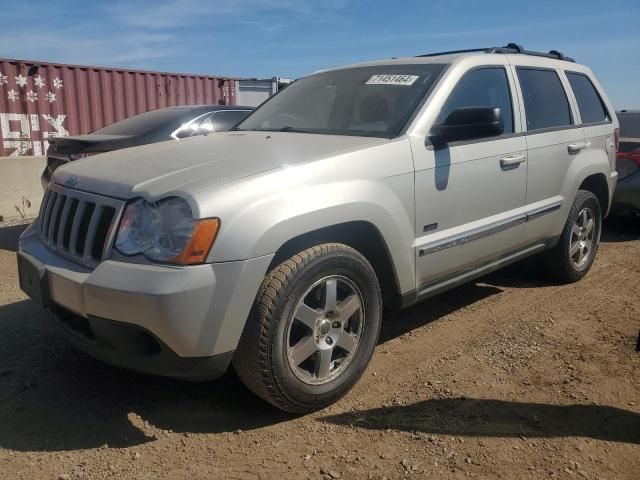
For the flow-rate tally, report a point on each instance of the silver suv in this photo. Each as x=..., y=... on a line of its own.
x=274, y=247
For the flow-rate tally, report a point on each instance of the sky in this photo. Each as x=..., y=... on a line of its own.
x=291, y=38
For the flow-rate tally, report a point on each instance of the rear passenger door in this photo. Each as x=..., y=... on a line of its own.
x=595, y=119
x=553, y=141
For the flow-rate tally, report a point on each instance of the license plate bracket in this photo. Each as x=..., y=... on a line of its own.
x=33, y=280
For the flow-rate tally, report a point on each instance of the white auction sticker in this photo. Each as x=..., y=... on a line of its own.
x=404, y=80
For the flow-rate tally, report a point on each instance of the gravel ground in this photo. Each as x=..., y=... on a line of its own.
x=509, y=377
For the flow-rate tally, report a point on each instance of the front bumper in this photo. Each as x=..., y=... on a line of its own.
x=626, y=198
x=147, y=317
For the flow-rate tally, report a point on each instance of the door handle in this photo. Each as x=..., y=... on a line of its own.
x=576, y=147
x=512, y=161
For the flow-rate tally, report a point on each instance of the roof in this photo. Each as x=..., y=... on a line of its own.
x=211, y=107
x=510, y=48
x=457, y=55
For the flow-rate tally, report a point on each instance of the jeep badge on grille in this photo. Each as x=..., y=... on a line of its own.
x=72, y=181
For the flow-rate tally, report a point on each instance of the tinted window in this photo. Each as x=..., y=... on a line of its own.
x=145, y=122
x=485, y=87
x=591, y=107
x=372, y=101
x=629, y=125
x=545, y=101
x=628, y=147
x=226, y=120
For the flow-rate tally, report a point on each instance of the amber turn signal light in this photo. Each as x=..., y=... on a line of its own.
x=198, y=248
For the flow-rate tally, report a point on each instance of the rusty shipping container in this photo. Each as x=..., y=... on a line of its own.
x=39, y=100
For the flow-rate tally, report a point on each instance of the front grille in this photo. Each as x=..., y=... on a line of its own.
x=78, y=225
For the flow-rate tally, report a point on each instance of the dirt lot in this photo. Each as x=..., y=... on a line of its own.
x=510, y=377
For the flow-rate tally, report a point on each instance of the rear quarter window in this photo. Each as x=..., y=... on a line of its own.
x=591, y=106
x=629, y=125
x=545, y=101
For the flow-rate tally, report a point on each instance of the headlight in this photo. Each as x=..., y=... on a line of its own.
x=165, y=232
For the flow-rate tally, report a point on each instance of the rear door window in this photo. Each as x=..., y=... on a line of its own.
x=224, y=120
x=545, y=101
x=483, y=87
x=629, y=124
x=592, y=109
x=145, y=122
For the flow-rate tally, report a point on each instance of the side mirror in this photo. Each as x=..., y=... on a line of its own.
x=468, y=123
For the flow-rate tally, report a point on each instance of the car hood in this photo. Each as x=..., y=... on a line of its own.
x=191, y=165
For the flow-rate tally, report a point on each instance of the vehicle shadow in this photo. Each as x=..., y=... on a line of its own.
x=55, y=398
x=398, y=322
x=527, y=273
x=497, y=418
x=621, y=229
x=9, y=236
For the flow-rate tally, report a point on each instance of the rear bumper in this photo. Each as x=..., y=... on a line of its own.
x=175, y=321
x=626, y=198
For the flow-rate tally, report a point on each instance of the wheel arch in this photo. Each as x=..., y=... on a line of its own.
x=360, y=235
x=596, y=183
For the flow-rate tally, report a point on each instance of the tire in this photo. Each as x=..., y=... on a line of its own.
x=560, y=261
x=287, y=316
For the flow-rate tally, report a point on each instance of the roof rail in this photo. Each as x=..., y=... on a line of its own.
x=515, y=48
x=453, y=52
x=509, y=48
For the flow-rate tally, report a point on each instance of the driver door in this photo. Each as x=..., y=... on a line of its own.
x=470, y=195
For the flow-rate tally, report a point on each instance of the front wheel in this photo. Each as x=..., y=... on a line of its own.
x=573, y=256
x=313, y=329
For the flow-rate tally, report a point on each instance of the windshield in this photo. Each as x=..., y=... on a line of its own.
x=145, y=122
x=362, y=101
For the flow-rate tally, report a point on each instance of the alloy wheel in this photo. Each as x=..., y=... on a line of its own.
x=583, y=237
x=324, y=331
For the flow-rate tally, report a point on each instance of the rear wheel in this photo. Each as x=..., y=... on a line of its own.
x=573, y=256
x=313, y=329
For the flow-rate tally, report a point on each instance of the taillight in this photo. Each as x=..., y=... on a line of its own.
x=627, y=163
x=634, y=156
x=616, y=138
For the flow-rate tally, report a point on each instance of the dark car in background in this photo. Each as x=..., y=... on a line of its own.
x=626, y=199
x=149, y=127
